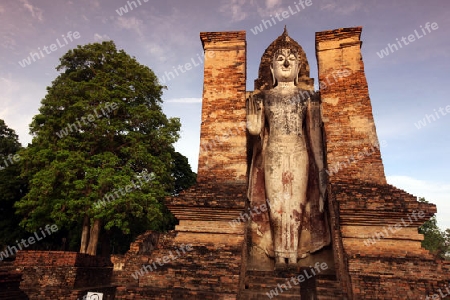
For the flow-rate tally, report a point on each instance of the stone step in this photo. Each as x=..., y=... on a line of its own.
x=328, y=288
x=270, y=284
x=264, y=284
x=268, y=280
x=258, y=295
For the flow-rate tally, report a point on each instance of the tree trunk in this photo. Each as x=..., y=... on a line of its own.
x=85, y=235
x=93, y=237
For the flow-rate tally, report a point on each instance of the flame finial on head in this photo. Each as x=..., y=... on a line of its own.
x=285, y=42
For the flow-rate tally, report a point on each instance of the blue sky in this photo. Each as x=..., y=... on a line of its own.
x=404, y=86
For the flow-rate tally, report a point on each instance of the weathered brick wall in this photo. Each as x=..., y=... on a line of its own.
x=378, y=227
x=10, y=283
x=223, y=153
x=397, y=278
x=49, y=275
x=380, y=220
x=352, y=146
x=375, y=225
x=211, y=270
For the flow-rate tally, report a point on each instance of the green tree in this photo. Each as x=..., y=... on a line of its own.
x=435, y=240
x=100, y=132
x=12, y=187
x=182, y=173
x=446, y=254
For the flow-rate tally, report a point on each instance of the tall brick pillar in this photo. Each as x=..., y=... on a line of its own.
x=351, y=140
x=222, y=157
x=206, y=211
x=373, y=260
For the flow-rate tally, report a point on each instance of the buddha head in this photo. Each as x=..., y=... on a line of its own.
x=285, y=66
x=271, y=62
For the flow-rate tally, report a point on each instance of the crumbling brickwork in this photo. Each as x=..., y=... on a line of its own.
x=10, y=283
x=377, y=246
x=223, y=152
x=50, y=275
x=352, y=145
x=210, y=270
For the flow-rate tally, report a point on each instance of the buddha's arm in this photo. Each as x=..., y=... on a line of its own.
x=254, y=114
x=315, y=135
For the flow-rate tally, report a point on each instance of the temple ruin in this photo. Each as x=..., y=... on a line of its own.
x=361, y=242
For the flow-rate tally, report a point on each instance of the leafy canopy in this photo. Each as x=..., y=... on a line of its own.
x=99, y=127
x=435, y=240
x=12, y=187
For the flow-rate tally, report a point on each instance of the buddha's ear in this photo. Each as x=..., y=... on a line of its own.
x=298, y=71
x=274, y=81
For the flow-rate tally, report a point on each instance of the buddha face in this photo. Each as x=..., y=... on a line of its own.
x=285, y=66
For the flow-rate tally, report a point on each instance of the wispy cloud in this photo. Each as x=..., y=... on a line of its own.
x=238, y=10
x=35, y=11
x=157, y=51
x=344, y=7
x=99, y=37
x=18, y=99
x=94, y=3
x=184, y=100
x=272, y=3
x=234, y=9
x=131, y=23
x=271, y=7
x=158, y=45
x=6, y=93
x=8, y=41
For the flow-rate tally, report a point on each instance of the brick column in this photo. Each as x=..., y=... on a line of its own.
x=223, y=153
x=351, y=140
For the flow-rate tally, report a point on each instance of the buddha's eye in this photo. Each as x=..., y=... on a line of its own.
x=292, y=57
x=280, y=58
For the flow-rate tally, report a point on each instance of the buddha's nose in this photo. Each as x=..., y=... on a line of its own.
x=286, y=63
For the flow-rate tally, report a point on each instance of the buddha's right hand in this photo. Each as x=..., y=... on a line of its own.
x=254, y=115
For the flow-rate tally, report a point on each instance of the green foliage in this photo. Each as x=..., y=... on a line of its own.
x=182, y=173
x=183, y=179
x=100, y=126
x=12, y=187
x=446, y=254
x=435, y=240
